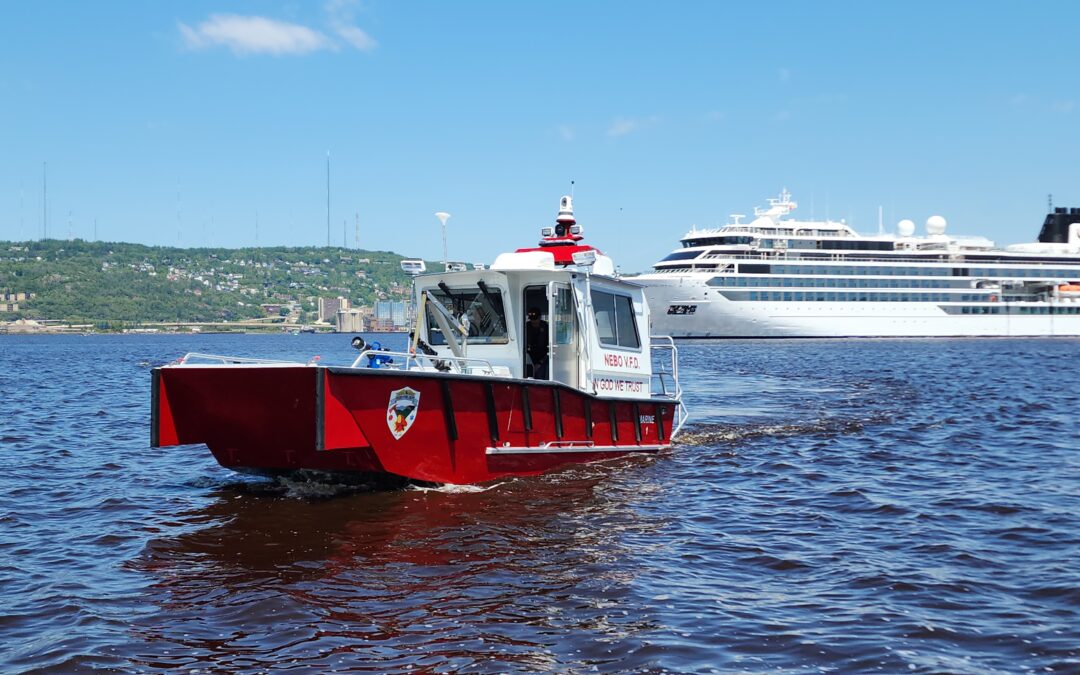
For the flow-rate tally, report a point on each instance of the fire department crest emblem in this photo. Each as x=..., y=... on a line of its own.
x=401, y=413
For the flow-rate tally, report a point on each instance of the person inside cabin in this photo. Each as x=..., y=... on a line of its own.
x=536, y=345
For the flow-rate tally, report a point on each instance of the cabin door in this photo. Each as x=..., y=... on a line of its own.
x=536, y=350
x=565, y=355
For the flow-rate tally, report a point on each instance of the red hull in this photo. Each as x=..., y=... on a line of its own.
x=465, y=430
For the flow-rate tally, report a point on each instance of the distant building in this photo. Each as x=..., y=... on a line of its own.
x=390, y=315
x=350, y=321
x=329, y=308
x=9, y=300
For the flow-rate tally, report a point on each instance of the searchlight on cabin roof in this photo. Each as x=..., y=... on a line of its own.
x=584, y=258
x=412, y=267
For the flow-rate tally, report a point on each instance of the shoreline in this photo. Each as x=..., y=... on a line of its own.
x=87, y=330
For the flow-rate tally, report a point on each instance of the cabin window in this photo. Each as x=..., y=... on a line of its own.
x=681, y=255
x=564, y=316
x=751, y=268
x=480, y=309
x=615, y=322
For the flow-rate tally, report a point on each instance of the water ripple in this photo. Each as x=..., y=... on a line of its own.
x=858, y=506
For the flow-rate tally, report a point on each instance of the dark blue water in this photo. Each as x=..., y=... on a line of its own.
x=836, y=505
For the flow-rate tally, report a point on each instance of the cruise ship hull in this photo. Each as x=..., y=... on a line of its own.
x=715, y=316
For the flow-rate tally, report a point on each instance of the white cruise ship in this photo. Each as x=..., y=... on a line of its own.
x=777, y=276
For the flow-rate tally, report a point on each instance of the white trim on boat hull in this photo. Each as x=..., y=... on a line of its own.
x=551, y=449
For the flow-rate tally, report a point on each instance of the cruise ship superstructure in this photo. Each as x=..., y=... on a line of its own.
x=777, y=276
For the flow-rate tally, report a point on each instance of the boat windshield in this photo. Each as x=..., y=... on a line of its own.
x=480, y=309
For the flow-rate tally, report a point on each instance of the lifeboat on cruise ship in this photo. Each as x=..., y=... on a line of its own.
x=540, y=360
x=1069, y=288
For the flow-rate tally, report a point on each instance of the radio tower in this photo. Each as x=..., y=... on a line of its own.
x=44, y=200
x=327, y=199
x=357, y=238
x=178, y=214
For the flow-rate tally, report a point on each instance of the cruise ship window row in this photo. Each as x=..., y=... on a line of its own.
x=876, y=270
x=685, y=268
x=1052, y=274
x=738, y=281
x=1013, y=309
x=863, y=296
x=831, y=242
x=811, y=239
x=850, y=270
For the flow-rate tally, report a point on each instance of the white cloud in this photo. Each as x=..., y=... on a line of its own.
x=622, y=126
x=356, y=37
x=784, y=74
x=341, y=21
x=253, y=35
x=566, y=132
x=262, y=35
x=1018, y=100
x=782, y=116
x=1064, y=106
x=627, y=125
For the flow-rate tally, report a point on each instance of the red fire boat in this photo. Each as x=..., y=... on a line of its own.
x=540, y=360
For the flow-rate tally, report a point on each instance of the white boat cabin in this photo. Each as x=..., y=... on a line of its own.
x=546, y=313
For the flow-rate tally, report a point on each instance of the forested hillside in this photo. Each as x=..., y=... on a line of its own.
x=113, y=285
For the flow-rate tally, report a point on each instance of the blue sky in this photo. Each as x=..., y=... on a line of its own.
x=185, y=122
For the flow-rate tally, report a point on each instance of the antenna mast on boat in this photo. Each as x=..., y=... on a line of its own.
x=880, y=221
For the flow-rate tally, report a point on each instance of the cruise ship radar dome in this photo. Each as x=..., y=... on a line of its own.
x=935, y=225
x=905, y=228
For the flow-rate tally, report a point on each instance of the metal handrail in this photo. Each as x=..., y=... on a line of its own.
x=186, y=358
x=567, y=444
x=667, y=343
x=464, y=365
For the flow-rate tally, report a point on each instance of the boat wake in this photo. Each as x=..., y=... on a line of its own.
x=316, y=485
x=306, y=484
x=322, y=486
x=452, y=489
x=714, y=434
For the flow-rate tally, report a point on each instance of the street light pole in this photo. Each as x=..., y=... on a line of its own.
x=443, y=217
